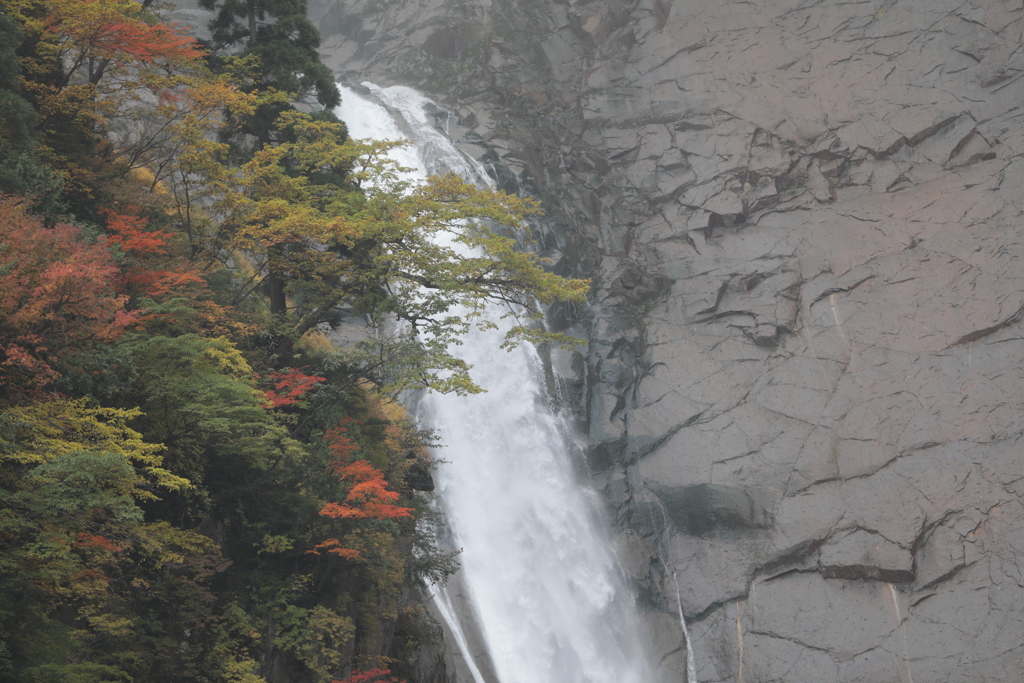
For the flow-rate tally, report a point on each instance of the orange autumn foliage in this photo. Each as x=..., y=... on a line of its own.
x=290, y=386
x=158, y=283
x=96, y=541
x=334, y=546
x=114, y=30
x=368, y=496
x=370, y=676
x=56, y=293
x=340, y=446
x=370, y=499
x=146, y=273
x=129, y=233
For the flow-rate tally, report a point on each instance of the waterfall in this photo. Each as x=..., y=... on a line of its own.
x=547, y=598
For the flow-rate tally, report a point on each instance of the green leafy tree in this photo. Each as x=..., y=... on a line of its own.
x=22, y=172
x=433, y=255
x=77, y=551
x=198, y=398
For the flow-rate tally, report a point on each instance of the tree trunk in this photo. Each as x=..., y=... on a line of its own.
x=250, y=7
x=275, y=290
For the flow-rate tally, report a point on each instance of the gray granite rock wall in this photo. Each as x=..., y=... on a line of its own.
x=804, y=384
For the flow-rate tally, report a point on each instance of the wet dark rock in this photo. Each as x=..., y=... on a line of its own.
x=705, y=507
x=860, y=554
x=418, y=476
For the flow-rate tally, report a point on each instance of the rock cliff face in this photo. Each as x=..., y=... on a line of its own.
x=804, y=384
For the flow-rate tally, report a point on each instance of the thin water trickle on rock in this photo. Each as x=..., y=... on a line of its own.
x=547, y=598
x=691, y=666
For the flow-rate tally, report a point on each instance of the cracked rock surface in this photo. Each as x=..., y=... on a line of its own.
x=804, y=383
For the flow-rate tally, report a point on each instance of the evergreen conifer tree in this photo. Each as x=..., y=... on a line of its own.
x=279, y=34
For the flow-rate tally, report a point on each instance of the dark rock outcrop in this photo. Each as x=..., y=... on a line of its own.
x=803, y=387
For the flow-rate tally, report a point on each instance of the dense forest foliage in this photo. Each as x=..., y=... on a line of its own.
x=196, y=483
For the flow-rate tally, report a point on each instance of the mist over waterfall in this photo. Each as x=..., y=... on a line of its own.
x=539, y=592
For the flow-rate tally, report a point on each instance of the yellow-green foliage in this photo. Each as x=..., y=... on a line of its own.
x=46, y=430
x=332, y=221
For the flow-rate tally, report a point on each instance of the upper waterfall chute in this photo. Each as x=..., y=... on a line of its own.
x=406, y=116
x=438, y=252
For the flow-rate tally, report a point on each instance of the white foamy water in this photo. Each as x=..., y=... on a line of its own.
x=548, y=599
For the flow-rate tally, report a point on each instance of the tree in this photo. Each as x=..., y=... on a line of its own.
x=88, y=41
x=198, y=397
x=433, y=255
x=46, y=430
x=283, y=40
x=77, y=549
x=281, y=35
x=85, y=66
x=370, y=676
x=21, y=172
x=148, y=269
x=368, y=496
x=289, y=386
x=57, y=293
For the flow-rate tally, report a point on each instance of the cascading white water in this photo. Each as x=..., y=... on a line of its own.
x=549, y=601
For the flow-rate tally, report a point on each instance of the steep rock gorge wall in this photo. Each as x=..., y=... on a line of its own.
x=804, y=385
